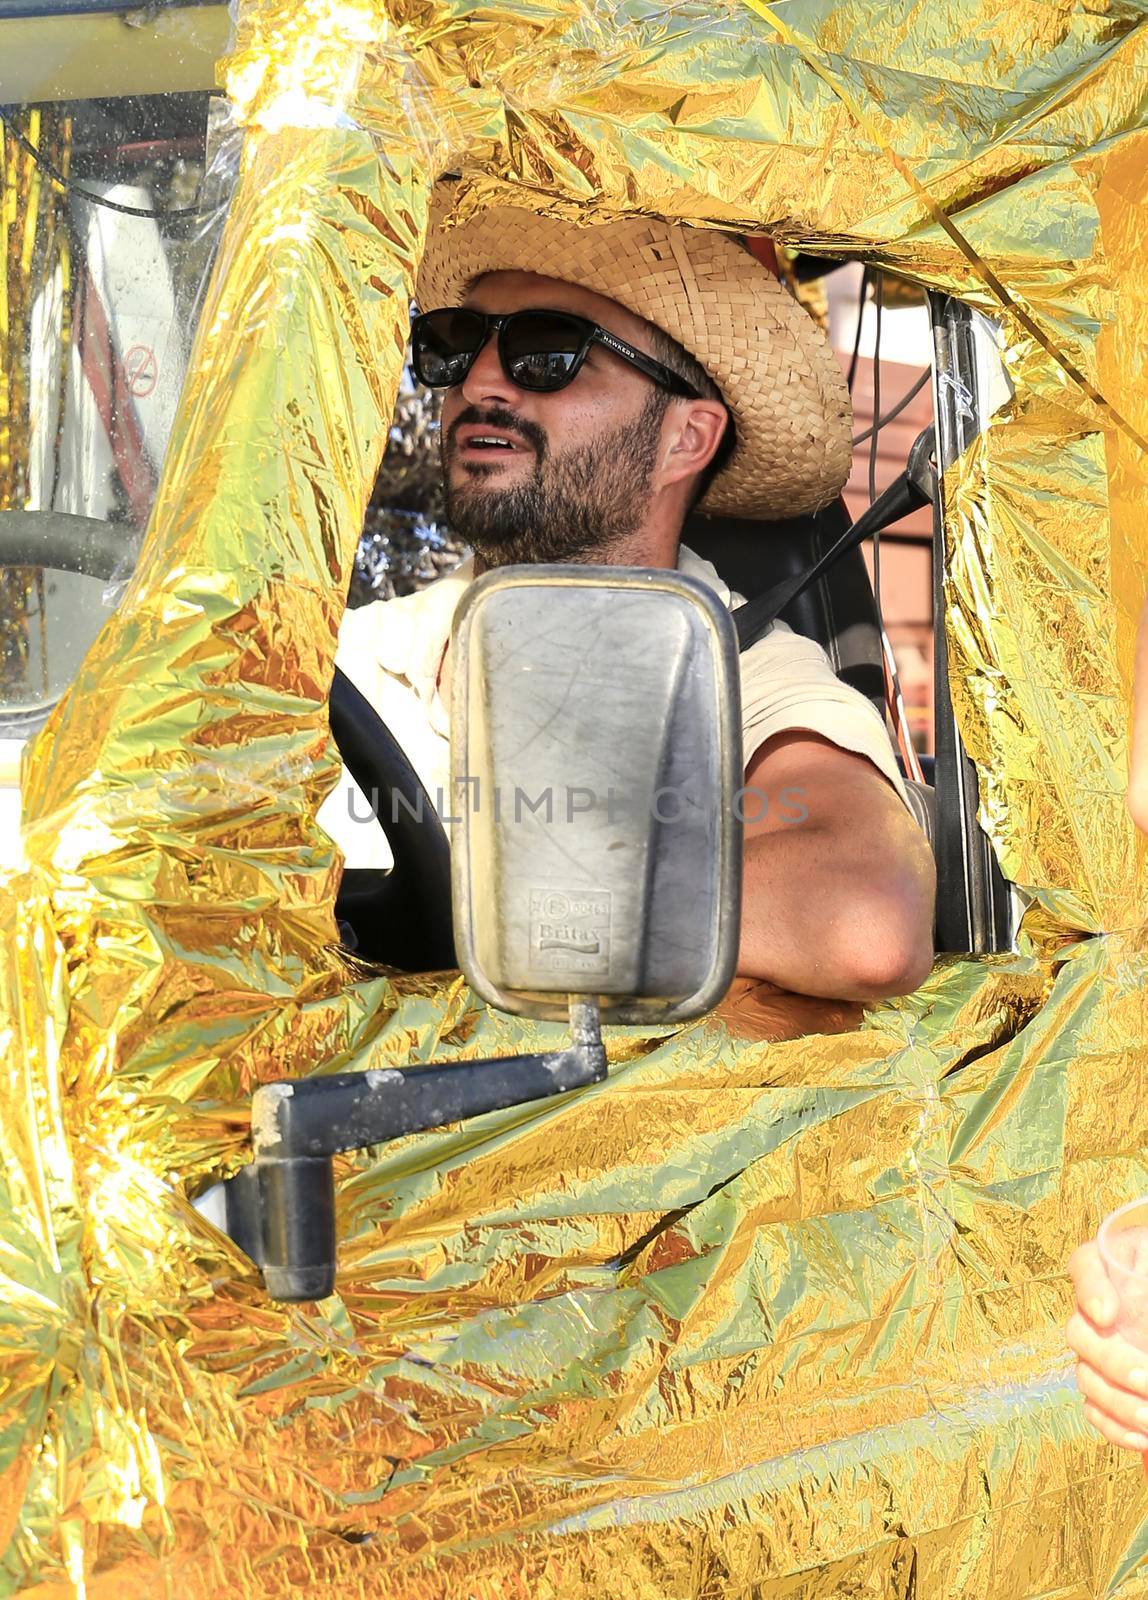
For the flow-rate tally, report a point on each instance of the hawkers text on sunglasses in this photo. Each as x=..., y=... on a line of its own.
x=539, y=350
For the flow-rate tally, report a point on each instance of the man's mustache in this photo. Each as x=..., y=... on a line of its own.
x=504, y=421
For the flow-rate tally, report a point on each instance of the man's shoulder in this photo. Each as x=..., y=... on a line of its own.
x=788, y=683
x=379, y=629
x=396, y=632
x=780, y=646
x=377, y=614
x=427, y=598
x=787, y=676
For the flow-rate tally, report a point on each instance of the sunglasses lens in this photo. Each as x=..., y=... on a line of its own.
x=443, y=345
x=541, y=348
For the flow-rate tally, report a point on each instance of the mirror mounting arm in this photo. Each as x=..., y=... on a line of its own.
x=280, y=1209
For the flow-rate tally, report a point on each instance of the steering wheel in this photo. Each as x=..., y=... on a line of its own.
x=401, y=917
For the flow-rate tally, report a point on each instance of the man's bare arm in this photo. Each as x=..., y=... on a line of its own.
x=839, y=880
x=1138, y=762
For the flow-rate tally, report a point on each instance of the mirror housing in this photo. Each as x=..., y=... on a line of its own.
x=596, y=767
x=620, y=687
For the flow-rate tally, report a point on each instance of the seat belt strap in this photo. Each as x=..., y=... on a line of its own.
x=912, y=489
x=757, y=616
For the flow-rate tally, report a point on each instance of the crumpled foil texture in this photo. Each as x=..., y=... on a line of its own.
x=765, y=1316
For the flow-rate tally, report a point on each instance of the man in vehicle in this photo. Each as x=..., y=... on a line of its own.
x=600, y=383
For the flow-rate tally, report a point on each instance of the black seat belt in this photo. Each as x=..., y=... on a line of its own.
x=915, y=487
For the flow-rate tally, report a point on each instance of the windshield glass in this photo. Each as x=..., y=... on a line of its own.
x=115, y=208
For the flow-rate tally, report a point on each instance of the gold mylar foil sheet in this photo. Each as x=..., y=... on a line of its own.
x=759, y=1315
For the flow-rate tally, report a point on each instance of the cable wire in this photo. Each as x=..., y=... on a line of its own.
x=70, y=186
x=879, y=305
x=909, y=395
x=860, y=319
x=894, y=699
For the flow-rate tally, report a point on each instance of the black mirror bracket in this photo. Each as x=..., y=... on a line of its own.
x=280, y=1209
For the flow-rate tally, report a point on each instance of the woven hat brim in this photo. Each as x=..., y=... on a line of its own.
x=777, y=373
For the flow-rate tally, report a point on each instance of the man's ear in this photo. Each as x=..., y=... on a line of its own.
x=694, y=433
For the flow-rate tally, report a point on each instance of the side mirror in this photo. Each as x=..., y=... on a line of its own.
x=596, y=867
x=596, y=760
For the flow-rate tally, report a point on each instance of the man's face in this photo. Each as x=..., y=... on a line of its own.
x=576, y=478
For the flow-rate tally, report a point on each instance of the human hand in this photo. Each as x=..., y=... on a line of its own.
x=1111, y=1373
x=1138, y=757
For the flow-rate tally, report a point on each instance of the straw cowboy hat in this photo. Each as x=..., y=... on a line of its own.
x=778, y=376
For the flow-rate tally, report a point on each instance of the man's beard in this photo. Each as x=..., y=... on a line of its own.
x=573, y=507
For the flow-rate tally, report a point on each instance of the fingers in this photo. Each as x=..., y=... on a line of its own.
x=1117, y=1361
x=1120, y=1416
x=1094, y=1292
x=1112, y=1431
x=1112, y=1375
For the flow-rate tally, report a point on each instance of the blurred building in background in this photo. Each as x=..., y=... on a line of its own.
x=905, y=579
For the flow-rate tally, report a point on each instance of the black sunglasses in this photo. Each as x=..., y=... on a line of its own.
x=539, y=350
